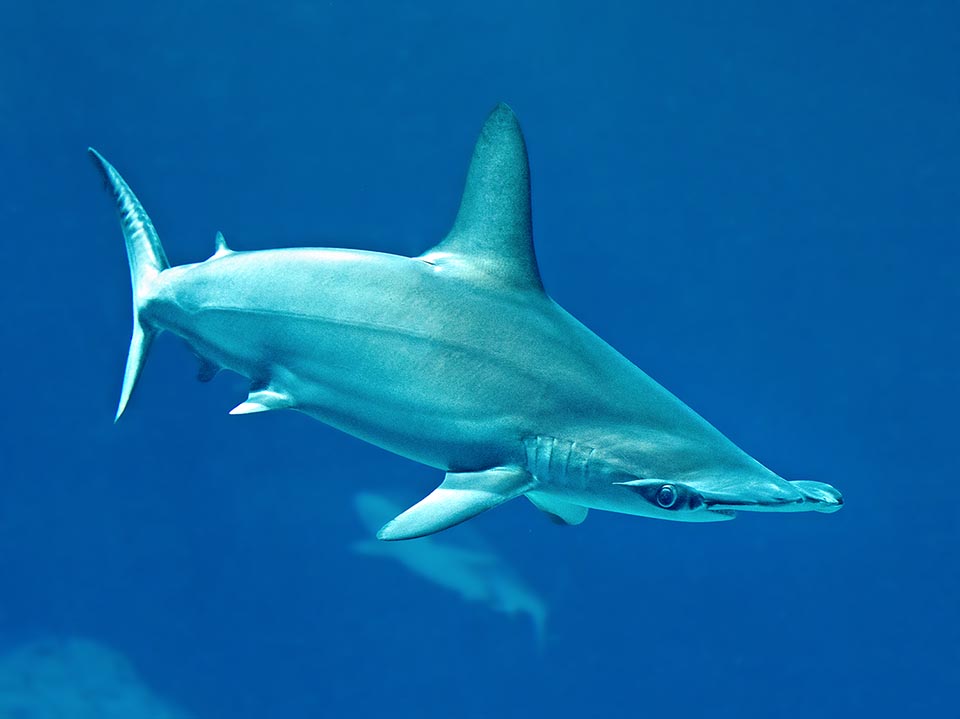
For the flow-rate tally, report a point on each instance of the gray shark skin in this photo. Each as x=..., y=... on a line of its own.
x=457, y=359
x=476, y=574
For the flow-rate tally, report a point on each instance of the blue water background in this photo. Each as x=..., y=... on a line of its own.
x=755, y=202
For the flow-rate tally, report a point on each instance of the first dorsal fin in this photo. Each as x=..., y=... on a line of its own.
x=492, y=237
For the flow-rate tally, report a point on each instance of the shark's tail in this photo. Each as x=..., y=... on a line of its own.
x=147, y=260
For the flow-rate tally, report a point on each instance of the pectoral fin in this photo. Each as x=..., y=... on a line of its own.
x=460, y=497
x=559, y=511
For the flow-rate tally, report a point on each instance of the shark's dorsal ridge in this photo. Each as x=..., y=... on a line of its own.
x=492, y=237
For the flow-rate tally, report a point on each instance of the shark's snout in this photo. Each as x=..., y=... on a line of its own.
x=826, y=498
x=772, y=496
x=716, y=499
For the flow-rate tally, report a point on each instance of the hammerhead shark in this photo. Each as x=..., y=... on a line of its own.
x=470, y=569
x=457, y=359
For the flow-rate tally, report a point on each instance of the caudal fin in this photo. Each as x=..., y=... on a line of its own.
x=147, y=260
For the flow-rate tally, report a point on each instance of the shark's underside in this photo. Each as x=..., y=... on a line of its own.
x=457, y=359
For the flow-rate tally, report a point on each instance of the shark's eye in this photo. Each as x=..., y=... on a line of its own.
x=667, y=496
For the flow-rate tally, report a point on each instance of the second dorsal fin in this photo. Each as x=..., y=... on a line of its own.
x=492, y=237
x=220, y=247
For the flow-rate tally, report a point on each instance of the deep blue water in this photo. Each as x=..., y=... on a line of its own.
x=757, y=204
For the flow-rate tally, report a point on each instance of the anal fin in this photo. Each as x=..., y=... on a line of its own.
x=461, y=496
x=207, y=370
x=559, y=511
